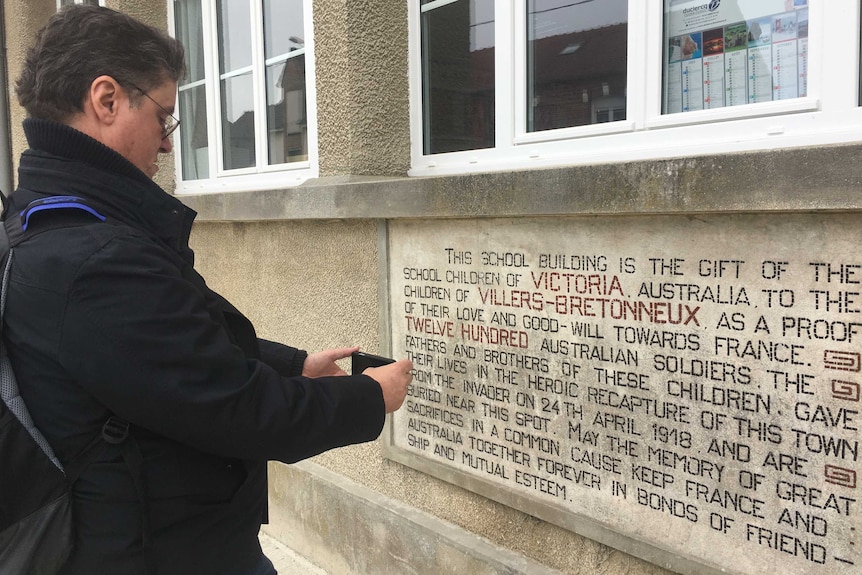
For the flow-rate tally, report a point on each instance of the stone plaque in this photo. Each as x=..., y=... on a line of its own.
x=684, y=388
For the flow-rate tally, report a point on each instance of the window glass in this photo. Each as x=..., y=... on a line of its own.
x=576, y=63
x=194, y=140
x=237, y=104
x=234, y=39
x=287, y=121
x=720, y=54
x=192, y=91
x=284, y=48
x=458, y=75
x=237, y=83
x=62, y=3
x=282, y=27
x=187, y=18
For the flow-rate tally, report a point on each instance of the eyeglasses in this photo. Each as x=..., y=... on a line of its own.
x=171, y=122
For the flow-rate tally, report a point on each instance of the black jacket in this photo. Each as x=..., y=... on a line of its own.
x=111, y=318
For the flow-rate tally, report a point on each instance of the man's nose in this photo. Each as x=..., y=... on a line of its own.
x=167, y=145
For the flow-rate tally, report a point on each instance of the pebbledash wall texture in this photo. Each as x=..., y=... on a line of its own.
x=473, y=475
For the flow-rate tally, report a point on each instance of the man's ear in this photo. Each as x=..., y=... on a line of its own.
x=105, y=95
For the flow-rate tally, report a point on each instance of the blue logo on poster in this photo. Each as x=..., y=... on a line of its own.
x=713, y=5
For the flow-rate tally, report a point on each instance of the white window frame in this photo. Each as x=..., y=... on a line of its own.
x=830, y=114
x=262, y=176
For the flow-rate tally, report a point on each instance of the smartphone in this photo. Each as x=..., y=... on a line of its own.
x=360, y=361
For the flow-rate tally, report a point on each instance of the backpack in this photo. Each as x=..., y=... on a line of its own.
x=36, y=527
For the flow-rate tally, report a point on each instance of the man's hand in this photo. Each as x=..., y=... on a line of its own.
x=393, y=379
x=322, y=363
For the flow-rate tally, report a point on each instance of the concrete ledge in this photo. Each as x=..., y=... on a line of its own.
x=285, y=560
x=798, y=179
x=348, y=529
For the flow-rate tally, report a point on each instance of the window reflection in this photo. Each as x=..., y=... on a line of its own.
x=576, y=62
x=283, y=26
x=284, y=52
x=238, y=122
x=194, y=138
x=193, y=134
x=234, y=19
x=237, y=88
x=458, y=76
x=287, y=122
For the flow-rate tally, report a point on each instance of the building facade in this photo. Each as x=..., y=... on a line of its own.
x=618, y=238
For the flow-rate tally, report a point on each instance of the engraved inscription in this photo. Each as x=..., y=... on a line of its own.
x=690, y=383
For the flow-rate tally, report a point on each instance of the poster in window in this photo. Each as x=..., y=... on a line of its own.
x=723, y=53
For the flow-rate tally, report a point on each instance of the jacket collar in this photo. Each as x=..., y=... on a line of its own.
x=64, y=161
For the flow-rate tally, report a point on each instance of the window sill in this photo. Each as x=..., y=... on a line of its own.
x=823, y=178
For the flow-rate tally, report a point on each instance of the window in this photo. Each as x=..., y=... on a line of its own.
x=733, y=54
x=249, y=60
x=458, y=75
x=576, y=63
x=61, y=3
x=539, y=83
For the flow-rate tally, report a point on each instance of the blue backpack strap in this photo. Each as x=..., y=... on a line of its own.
x=54, y=203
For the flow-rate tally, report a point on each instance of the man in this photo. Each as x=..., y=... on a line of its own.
x=106, y=318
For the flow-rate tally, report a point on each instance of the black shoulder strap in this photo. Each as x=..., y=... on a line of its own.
x=4, y=241
x=5, y=270
x=115, y=431
x=15, y=225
